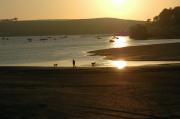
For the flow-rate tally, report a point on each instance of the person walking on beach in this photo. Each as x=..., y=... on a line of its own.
x=74, y=63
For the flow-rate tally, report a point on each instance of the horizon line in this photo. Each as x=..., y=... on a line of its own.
x=71, y=19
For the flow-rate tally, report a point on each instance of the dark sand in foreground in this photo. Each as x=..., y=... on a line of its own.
x=90, y=93
x=159, y=52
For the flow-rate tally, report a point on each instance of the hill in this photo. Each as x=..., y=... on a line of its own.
x=65, y=27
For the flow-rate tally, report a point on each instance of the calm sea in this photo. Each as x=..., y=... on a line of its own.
x=49, y=50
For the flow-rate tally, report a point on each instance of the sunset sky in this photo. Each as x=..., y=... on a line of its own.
x=80, y=9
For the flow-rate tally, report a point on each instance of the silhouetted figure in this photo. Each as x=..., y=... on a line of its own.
x=74, y=63
x=55, y=65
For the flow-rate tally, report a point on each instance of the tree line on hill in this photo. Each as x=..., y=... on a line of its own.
x=165, y=25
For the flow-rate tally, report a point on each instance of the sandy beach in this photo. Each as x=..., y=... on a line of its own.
x=159, y=52
x=91, y=93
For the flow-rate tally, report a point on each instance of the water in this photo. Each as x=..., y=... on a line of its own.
x=19, y=51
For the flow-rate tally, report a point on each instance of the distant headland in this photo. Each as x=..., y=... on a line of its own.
x=14, y=27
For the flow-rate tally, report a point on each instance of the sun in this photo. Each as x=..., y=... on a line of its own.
x=118, y=2
x=121, y=64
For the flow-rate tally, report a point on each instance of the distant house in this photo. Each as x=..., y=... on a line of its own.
x=9, y=20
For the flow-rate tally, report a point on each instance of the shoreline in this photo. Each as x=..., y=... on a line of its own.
x=158, y=67
x=155, y=52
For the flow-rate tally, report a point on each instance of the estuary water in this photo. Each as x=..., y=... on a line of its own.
x=49, y=50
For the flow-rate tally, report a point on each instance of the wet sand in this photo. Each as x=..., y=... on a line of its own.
x=159, y=52
x=90, y=93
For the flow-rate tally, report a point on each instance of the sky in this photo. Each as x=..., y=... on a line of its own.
x=83, y=9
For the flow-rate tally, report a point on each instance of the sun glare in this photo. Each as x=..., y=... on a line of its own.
x=120, y=42
x=119, y=64
x=119, y=1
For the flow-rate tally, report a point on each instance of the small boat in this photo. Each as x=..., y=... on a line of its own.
x=3, y=38
x=111, y=41
x=29, y=39
x=115, y=37
x=43, y=39
x=64, y=36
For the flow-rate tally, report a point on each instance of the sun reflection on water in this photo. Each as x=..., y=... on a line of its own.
x=121, y=64
x=120, y=42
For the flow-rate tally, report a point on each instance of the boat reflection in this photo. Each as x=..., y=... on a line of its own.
x=120, y=42
x=121, y=64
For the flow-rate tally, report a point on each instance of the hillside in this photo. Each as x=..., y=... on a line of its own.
x=65, y=27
